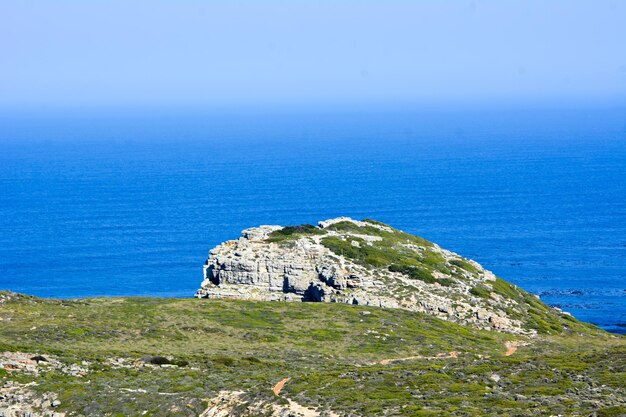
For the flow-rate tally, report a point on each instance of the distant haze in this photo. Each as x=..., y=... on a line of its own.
x=66, y=53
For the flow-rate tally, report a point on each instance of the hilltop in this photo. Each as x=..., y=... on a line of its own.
x=370, y=263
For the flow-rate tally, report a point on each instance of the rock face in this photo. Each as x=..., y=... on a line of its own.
x=21, y=400
x=361, y=262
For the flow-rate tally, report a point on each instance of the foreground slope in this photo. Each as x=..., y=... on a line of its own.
x=190, y=357
x=401, y=327
x=370, y=263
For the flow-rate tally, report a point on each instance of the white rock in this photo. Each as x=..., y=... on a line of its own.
x=303, y=269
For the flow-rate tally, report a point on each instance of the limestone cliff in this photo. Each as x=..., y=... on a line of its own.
x=367, y=263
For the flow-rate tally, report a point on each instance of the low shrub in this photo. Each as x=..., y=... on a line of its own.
x=414, y=272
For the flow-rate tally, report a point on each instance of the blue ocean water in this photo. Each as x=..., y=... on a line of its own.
x=130, y=203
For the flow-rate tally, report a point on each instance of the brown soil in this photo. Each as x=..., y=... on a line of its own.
x=279, y=386
x=511, y=347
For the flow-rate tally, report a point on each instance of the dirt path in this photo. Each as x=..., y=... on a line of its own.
x=512, y=345
x=511, y=348
x=279, y=386
x=294, y=407
x=224, y=404
x=450, y=355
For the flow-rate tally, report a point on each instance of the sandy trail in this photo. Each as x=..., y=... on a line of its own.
x=279, y=386
x=510, y=348
x=297, y=409
x=512, y=345
x=450, y=355
x=294, y=407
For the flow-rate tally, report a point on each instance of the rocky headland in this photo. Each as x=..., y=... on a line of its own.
x=369, y=263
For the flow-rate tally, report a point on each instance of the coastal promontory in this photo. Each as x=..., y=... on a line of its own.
x=369, y=263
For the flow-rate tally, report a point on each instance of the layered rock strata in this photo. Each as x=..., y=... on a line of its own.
x=305, y=263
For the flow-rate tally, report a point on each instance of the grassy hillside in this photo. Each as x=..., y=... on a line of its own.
x=340, y=358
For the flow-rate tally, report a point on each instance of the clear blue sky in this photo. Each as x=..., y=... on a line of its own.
x=125, y=52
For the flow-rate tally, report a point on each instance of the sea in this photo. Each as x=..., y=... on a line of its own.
x=109, y=202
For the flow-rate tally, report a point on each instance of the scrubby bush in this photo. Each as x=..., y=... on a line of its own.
x=480, y=291
x=413, y=272
x=291, y=232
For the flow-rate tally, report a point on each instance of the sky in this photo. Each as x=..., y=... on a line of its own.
x=270, y=52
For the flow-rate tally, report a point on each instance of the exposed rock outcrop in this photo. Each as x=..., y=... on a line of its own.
x=21, y=399
x=360, y=262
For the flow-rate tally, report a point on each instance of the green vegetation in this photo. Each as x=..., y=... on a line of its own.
x=389, y=251
x=463, y=264
x=414, y=272
x=392, y=236
x=249, y=346
x=534, y=314
x=294, y=232
x=525, y=385
x=480, y=291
